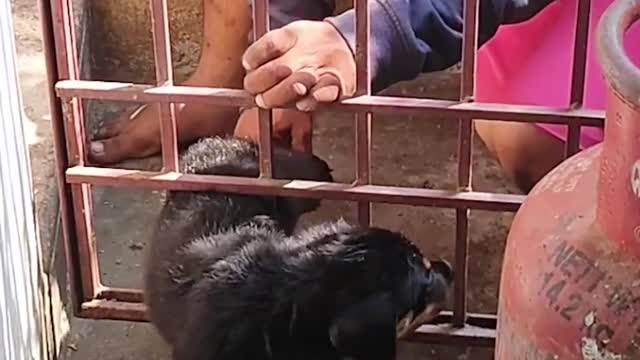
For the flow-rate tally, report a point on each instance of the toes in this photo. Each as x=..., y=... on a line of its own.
x=116, y=126
x=120, y=148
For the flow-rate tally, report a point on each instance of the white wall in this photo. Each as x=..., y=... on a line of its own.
x=20, y=302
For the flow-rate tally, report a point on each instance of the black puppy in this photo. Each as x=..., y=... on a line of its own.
x=226, y=280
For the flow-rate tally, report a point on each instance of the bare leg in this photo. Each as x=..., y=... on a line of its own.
x=226, y=26
x=526, y=152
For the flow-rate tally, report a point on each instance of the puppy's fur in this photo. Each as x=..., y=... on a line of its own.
x=226, y=280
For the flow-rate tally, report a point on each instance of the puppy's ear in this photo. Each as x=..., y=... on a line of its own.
x=366, y=330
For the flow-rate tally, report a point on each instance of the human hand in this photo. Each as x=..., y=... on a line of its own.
x=289, y=126
x=304, y=62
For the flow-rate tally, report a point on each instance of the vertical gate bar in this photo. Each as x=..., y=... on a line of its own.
x=260, y=27
x=363, y=119
x=164, y=77
x=465, y=142
x=72, y=111
x=61, y=158
x=578, y=74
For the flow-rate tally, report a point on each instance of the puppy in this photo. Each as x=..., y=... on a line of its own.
x=225, y=279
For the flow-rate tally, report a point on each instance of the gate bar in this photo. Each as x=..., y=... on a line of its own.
x=465, y=155
x=117, y=91
x=363, y=118
x=61, y=159
x=164, y=77
x=265, y=145
x=294, y=188
x=572, y=146
x=73, y=115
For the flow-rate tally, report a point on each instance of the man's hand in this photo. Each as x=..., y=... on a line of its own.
x=292, y=127
x=304, y=62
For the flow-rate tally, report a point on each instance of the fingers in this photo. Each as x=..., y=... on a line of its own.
x=267, y=76
x=270, y=46
x=326, y=90
x=288, y=90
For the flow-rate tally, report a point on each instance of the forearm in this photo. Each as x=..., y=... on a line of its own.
x=413, y=36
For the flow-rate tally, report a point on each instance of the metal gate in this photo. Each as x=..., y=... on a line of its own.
x=94, y=300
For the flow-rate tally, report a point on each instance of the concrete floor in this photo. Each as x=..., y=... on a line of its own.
x=414, y=151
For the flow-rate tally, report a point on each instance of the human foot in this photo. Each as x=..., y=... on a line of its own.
x=137, y=134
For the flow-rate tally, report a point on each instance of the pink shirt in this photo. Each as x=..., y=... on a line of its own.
x=530, y=64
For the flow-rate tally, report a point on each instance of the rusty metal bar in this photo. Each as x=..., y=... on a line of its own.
x=73, y=115
x=99, y=309
x=114, y=91
x=127, y=305
x=363, y=118
x=61, y=159
x=261, y=27
x=293, y=188
x=164, y=77
x=578, y=72
x=465, y=155
x=121, y=294
x=465, y=336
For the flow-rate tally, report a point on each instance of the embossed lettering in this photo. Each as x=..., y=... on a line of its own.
x=561, y=253
x=573, y=305
x=554, y=291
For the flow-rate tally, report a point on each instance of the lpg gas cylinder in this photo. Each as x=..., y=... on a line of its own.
x=570, y=286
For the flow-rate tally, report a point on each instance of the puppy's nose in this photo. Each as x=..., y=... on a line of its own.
x=444, y=269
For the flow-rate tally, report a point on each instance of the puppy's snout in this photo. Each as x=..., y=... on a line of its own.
x=444, y=269
x=441, y=281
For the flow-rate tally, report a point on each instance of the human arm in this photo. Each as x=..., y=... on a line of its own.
x=413, y=36
x=407, y=37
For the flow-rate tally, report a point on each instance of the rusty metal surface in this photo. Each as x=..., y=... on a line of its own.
x=578, y=71
x=72, y=120
x=164, y=77
x=294, y=188
x=465, y=139
x=363, y=118
x=617, y=67
x=619, y=176
x=570, y=287
x=116, y=91
x=261, y=27
x=61, y=158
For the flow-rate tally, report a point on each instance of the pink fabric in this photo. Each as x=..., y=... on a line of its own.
x=530, y=64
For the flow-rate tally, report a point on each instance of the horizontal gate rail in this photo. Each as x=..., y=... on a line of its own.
x=117, y=91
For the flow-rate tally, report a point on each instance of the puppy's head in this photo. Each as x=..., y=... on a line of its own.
x=421, y=289
x=434, y=280
x=237, y=157
x=397, y=289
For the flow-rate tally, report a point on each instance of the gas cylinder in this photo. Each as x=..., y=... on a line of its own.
x=570, y=286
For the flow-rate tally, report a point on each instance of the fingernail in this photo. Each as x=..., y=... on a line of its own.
x=300, y=89
x=245, y=64
x=96, y=148
x=260, y=102
x=304, y=105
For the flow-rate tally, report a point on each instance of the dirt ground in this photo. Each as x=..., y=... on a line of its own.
x=410, y=151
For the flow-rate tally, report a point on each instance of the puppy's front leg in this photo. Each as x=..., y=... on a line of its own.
x=366, y=330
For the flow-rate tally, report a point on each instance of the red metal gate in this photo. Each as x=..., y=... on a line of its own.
x=94, y=300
